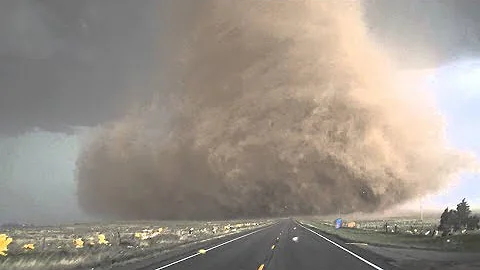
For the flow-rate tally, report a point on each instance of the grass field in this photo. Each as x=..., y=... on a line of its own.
x=410, y=233
x=92, y=245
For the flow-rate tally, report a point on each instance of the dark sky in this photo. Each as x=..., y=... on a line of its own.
x=73, y=62
x=427, y=30
x=68, y=62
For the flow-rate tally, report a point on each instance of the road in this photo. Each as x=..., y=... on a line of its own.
x=286, y=245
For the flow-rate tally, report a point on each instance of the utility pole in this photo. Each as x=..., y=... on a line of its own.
x=421, y=209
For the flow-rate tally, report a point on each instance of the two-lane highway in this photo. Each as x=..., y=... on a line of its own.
x=286, y=245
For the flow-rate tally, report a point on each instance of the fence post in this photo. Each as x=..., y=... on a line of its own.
x=43, y=243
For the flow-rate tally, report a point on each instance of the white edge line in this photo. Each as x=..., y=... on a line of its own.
x=179, y=261
x=214, y=247
x=342, y=248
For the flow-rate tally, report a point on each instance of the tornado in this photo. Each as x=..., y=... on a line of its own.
x=272, y=108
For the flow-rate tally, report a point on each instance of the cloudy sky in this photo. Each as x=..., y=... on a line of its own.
x=457, y=88
x=68, y=63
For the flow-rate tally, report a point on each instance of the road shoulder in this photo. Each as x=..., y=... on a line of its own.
x=379, y=260
x=408, y=258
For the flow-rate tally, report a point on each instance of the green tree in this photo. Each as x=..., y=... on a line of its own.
x=448, y=221
x=444, y=221
x=473, y=223
x=463, y=212
x=453, y=220
x=458, y=219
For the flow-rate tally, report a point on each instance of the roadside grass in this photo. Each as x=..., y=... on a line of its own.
x=54, y=246
x=460, y=242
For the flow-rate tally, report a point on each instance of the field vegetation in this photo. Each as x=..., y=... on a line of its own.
x=455, y=230
x=101, y=245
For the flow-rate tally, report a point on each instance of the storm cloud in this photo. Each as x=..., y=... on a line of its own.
x=270, y=108
x=70, y=63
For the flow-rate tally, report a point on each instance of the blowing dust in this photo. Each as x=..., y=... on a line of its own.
x=276, y=108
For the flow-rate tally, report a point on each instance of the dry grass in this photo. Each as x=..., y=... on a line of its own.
x=55, y=247
x=411, y=233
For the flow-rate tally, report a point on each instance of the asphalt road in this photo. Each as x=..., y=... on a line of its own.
x=285, y=245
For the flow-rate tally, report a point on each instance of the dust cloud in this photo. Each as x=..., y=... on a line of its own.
x=275, y=108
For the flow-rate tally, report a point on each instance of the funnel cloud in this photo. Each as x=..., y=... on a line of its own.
x=272, y=108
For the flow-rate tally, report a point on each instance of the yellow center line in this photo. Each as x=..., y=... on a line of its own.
x=261, y=266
